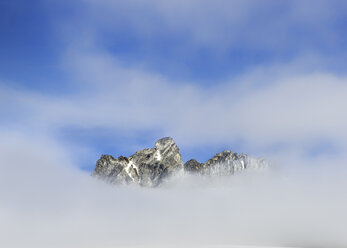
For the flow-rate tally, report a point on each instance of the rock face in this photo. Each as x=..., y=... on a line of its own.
x=192, y=166
x=225, y=163
x=150, y=167
x=147, y=167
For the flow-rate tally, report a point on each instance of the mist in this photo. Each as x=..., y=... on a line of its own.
x=47, y=202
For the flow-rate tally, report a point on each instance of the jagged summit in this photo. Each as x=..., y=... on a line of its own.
x=147, y=167
x=150, y=167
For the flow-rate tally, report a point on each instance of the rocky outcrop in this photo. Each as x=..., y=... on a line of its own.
x=192, y=166
x=225, y=163
x=150, y=167
x=147, y=167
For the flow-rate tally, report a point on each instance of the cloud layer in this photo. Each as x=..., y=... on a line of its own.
x=260, y=108
x=46, y=202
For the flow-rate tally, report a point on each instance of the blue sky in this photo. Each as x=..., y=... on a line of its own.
x=114, y=76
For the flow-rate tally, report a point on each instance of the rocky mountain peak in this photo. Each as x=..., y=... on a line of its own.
x=147, y=167
x=151, y=166
x=164, y=143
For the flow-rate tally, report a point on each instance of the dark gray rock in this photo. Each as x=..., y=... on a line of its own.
x=192, y=166
x=147, y=167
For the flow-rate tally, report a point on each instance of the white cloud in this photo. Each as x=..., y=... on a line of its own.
x=44, y=202
x=269, y=25
x=287, y=107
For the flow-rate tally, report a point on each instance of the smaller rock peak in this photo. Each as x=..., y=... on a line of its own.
x=224, y=153
x=193, y=161
x=192, y=166
x=107, y=157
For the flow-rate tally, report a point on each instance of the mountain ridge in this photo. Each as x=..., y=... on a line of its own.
x=150, y=167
